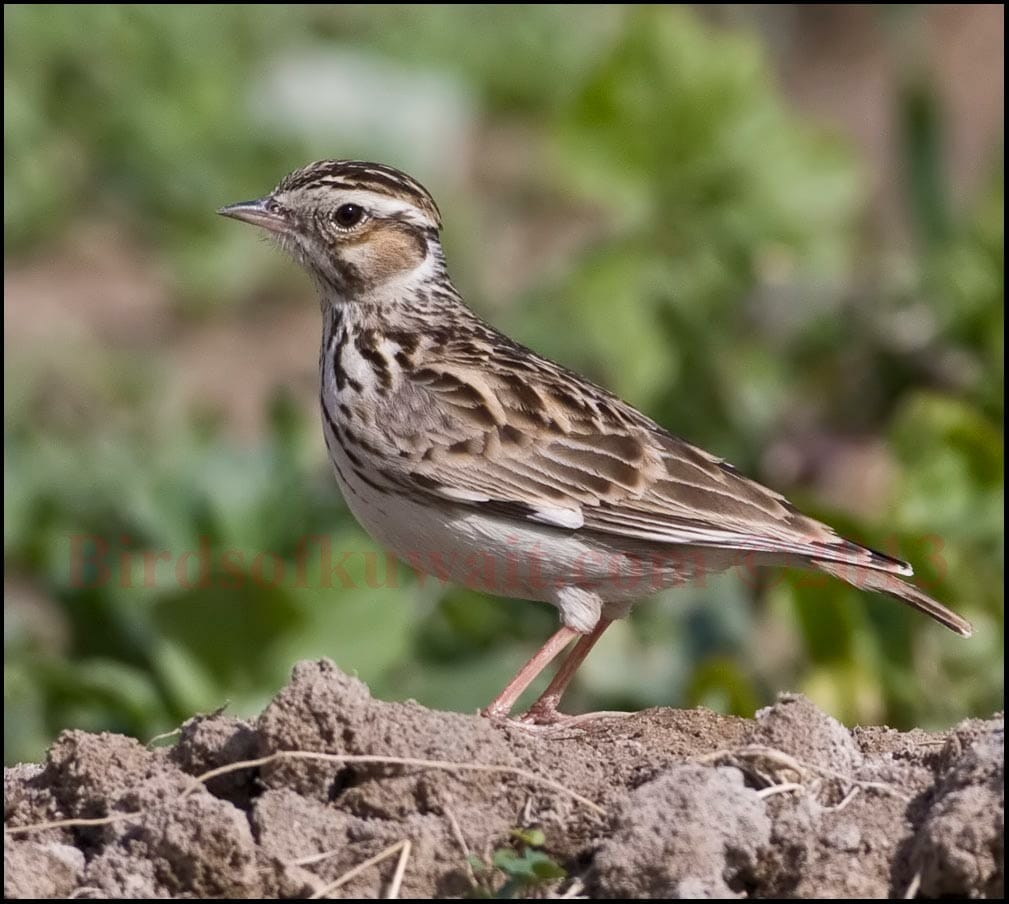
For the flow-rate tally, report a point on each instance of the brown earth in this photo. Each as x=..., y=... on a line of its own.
x=663, y=803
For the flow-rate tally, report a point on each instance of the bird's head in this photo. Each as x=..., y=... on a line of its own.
x=364, y=231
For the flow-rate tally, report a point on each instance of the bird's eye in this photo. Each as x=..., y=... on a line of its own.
x=348, y=215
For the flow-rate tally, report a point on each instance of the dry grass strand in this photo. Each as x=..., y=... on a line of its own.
x=205, y=777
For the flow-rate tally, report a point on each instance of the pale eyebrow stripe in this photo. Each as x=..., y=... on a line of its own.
x=381, y=205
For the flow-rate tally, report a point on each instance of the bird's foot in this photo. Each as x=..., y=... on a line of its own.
x=543, y=712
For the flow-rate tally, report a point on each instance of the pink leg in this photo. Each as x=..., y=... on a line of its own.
x=501, y=705
x=544, y=710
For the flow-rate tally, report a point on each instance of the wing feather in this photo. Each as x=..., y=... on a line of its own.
x=544, y=445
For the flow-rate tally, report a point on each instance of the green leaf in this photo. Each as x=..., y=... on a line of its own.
x=531, y=837
x=508, y=862
x=532, y=866
x=545, y=868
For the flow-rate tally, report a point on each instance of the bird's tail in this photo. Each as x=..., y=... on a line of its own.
x=886, y=581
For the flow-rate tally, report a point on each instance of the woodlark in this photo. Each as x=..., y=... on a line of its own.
x=479, y=461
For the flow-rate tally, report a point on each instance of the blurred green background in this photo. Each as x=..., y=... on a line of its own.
x=778, y=230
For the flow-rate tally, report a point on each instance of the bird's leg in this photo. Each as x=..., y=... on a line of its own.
x=501, y=705
x=544, y=710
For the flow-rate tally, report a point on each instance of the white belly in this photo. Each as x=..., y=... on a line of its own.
x=584, y=576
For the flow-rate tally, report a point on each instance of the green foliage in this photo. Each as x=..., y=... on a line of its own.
x=713, y=185
x=191, y=635
x=523, y=870
x=727, y=291
x=152, y=117
x=517, y=60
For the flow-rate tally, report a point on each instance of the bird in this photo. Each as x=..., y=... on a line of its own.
x=478, y=460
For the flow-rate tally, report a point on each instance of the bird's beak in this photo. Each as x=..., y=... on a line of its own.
x=256, y=213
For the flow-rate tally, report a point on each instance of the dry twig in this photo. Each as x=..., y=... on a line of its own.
x=201, y=779
x=356, y=871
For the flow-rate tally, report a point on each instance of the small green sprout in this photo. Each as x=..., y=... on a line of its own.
x=524, y=869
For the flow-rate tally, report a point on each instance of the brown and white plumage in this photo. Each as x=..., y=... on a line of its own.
x=477, y=459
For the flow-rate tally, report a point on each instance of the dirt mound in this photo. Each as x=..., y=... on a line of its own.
x=663, y=803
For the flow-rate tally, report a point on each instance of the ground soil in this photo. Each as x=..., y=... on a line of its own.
x=663, y=803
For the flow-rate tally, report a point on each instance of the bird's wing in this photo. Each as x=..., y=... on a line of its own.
x=521, y=437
